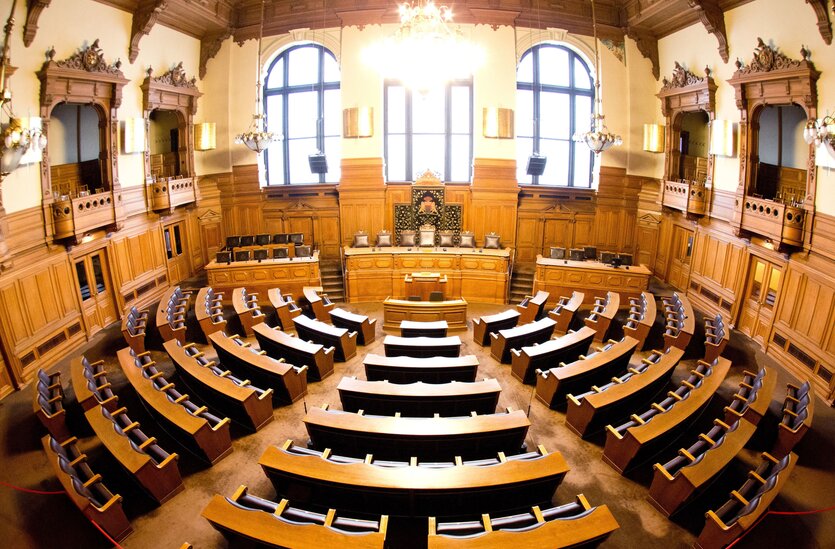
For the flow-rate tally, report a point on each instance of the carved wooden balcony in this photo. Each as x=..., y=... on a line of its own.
x=72, y=217
x=167, y=194
x=687, y=196
x=780, y=222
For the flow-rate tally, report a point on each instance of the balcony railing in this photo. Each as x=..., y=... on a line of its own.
x=168, y=193
x=76, y=216
x=687, y=196
x=775, y=220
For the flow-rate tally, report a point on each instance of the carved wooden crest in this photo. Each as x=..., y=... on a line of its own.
x=175, y=77
x=428, y=178
x=90, y=59
x=682, y=78
x=767, y=59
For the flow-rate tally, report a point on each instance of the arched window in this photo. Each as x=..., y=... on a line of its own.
x=554, y=97
x=429, y=130
x=302, y=103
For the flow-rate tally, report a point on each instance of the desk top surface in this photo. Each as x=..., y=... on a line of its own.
x=593, y=265
x=401, y=250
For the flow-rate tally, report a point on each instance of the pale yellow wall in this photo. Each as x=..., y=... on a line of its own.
x=643, y=108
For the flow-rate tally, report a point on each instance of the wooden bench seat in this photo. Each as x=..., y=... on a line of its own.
x=85, y=488
x=208, y=310
x=588, y=412
x=288, y=382
x=482, y=327
x=798, y=409
x=194, y=426
x=171, y=315
x=285, y=308
x=244, y=519
x=282, y=346
x=566, y=308
x=410, y=488
x=406, y=369
x=48, y=405
x=246, y=307
x=320, y=304
x=411, y=328
x=602, y=312
x=422, y=347
x=89, y=381
x=237, y=398
x=134, y=329
x=642, y=312
x=139, y=454
x=716, y=337
x=680, y=322
x=636, y=440
x=503, y=341
x=553, y=385
x=361, y=324
x=419, y=399
x=752, y=399
x=569, y=525
x=567, y=348
x=400, y=438
x=343, y=341
x=532, y=307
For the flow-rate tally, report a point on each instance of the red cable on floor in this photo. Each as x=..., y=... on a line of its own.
x=30, y=491
x=113, y=541
x=780, y=513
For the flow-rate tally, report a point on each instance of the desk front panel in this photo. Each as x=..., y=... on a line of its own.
x=289, y=276
x=560, y=278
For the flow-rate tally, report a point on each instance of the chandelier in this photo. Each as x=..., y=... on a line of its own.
x=598, y=138
x=256, y=138
x=426, y=51
x=821, y=132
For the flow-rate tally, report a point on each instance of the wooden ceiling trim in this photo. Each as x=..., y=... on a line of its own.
x=209, y=46
x=824, y=24
x=648, y=46
x=33, y=12
x=713, y=18
x=144, y=20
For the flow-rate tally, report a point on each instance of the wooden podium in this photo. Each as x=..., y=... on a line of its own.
x=423, y=284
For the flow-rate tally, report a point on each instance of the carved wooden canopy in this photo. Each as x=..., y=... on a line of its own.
x=685, y=91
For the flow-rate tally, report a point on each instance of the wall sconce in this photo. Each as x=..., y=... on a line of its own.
x=821, y=132
x=654, y=138
x=722, y=138
x=133, y=135
x=497, y=123
x=205, y=136
x=358, y=122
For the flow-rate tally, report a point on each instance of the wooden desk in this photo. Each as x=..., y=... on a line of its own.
x=291, y=275
x=423, y=284
x=482, y=327
x=563, y=276
x=454, y=312
x=406, y=369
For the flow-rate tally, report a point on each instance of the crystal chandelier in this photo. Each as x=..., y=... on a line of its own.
x=256, y=138
x=821, y=132
x=598, y=138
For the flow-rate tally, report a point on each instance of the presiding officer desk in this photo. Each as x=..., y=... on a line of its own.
x=289, y=274
x=560, y=277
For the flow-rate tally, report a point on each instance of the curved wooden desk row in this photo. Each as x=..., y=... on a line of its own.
x=319, y=302
x=413, y=328
x=642, y=312
x=282, y=346
x=285, y=308
x=406, y=369
x=645, y=433
x=288, y=382
x=428, y=439
x=798, y=409
x=504, y=483
x=422, y=347
x=680, y=323
x=564, y=311
x=588, y=412
x=134, y=328
x=419, y=399
x=246, y=307
x=361, y=324
x=171, y=315
x=89, y=381
x=532, y=308
x=482, y=327
x=553, y=386
x=343, y=341
x=194, y=425
x=562, y=349
x=208, y=310
x=515, y=338
x=48, y=405
x=602, y=312
x=242, y=402
x=716, y=337
x=752, y=399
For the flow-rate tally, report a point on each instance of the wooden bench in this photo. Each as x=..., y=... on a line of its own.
x=244, y=519
x=406, y=369
x=680, y=321
x=285, y=308
x=798, y=409
x=282, y=346
x=411, y=328
x=566, y=348
x=532, y=307
x=588, y=412
x=602, y=313
x=752, y=399
x=89, y=381
x=503, y=341
x=747, y=504
x=247, y=309
x=319, y=302
x=419, y=399
x=361, y=324
x=288, y=382
x=85, y=488
x=422, y=347
x=553, y=385
x=716, y=337
x=190, y=424
x=642, y=311
x=134, y=328
x=171, y=315
x=343, y=341
x=482, y=327
x=563, y=313
x=237, y=398
x=152, y=467
x=48, y=404
x=647, y=432
x=208, y=310
x=411, y=489
x=430, y=439
x=570, y=525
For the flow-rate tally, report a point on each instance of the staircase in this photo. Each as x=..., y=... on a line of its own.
x=521, y=282
x=332, y=283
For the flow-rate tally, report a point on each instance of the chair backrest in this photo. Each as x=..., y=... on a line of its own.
x=407, y=238
x=302, y=251
x=262, y=239
x=296, y=238
x=247, y=240
x=223, y=257
x=384, y=239
x=260, y=254
x=242, y=255
x=233, y=241
x=280, y=238
x=426, y=236
x=280, y=253
x=436, y=296
x=557, y=253
x=360, y=240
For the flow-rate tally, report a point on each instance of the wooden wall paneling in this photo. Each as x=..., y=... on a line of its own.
x=662, y=258
x=529, y=236
x=310, y=209
x=6, y=385
x=823, y=235
x=137, y=263
x=494, y=199
x=26, y=231
x=722, y=204
x=584, y=231
x=647, y=232
x=134, y=201
x=362, y=200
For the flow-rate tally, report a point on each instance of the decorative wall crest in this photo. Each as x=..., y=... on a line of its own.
x=682, y=78
x=617, y=47
x=175, y=77
x=90, y=59
x=767, y=59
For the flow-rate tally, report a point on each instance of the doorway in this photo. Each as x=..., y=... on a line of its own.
x=761, y=291
x=681, y=252
x=93, y=279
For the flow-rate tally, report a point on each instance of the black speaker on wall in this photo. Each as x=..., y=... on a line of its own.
x=318, y=163
x=536, y=164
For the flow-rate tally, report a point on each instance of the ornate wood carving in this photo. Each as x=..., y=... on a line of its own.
x=33, y=12
x=144, y=20
x=713, y=18
x=824, y=24
x=648, y=46
x=209, y=46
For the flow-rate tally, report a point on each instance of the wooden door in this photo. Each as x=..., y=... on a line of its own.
x=761, y=290
x=681, y=252
x=174, y=237
x=93, y=279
